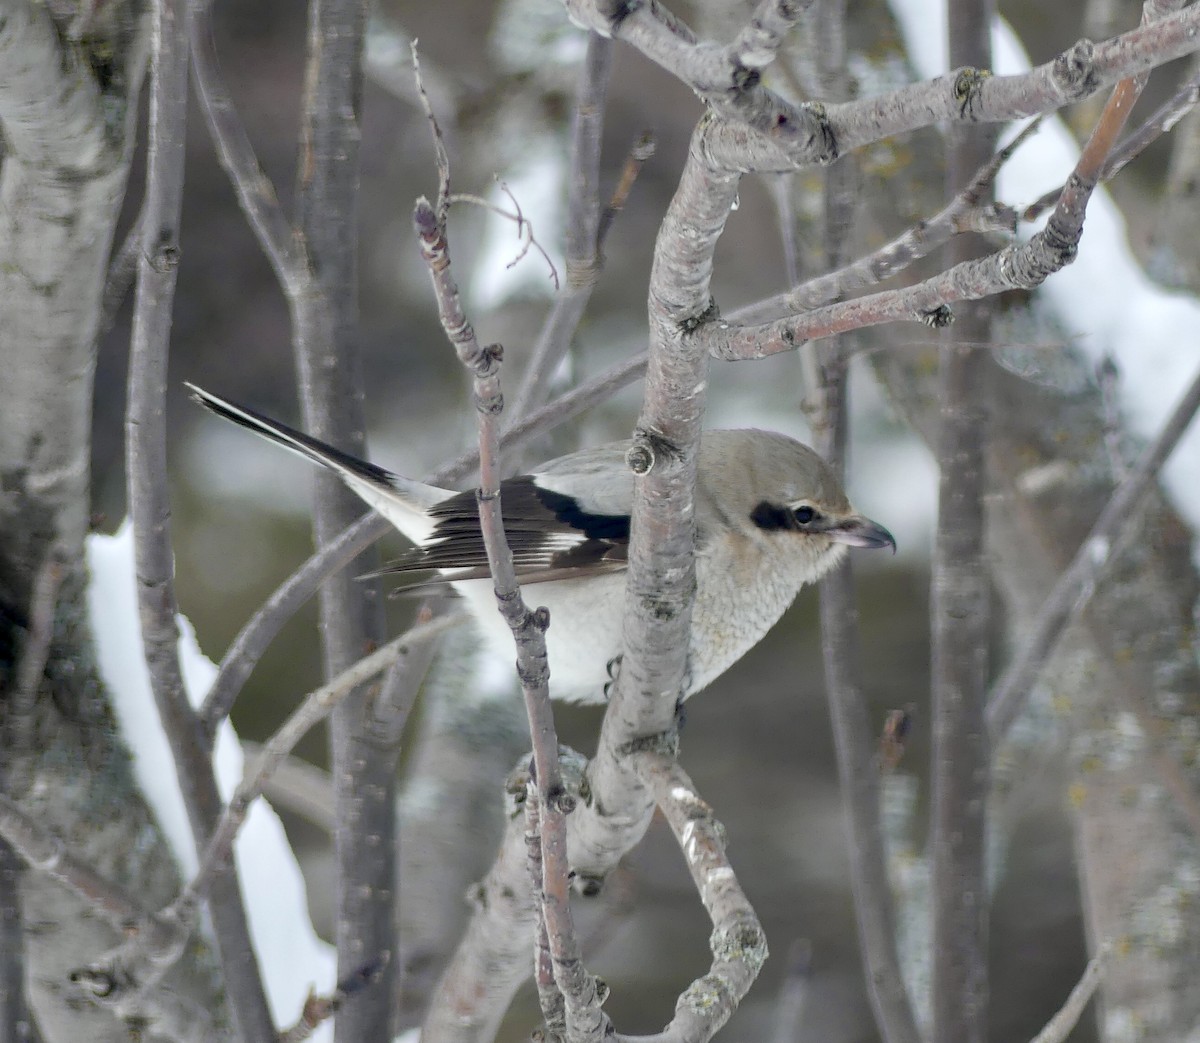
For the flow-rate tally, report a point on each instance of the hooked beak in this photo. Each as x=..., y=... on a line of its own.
x=857, y=531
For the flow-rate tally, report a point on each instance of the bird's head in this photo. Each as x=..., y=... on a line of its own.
x=771, y=487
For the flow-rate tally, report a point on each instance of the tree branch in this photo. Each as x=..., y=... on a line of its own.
x=1100, y=548
x=583, y=219
x=959, y=616
x=149, y=506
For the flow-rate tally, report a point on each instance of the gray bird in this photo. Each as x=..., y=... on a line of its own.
x=770, y=517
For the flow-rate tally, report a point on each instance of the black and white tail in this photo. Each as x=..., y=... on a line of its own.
x=401, y=500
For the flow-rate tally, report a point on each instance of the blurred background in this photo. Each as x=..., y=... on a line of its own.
x=758, y=743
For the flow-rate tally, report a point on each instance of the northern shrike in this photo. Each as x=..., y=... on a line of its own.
x=770, y=517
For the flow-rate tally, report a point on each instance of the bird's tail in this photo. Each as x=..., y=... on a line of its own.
x=401, y=500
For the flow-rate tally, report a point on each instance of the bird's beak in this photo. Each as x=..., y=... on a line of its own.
x=857, y=531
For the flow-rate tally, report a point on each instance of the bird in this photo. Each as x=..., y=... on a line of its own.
x=770, y=518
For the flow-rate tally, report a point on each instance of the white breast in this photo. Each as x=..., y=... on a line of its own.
x=741, y=591
x=584, y=634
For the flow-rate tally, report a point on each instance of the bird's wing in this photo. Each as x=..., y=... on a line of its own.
x=400, y=500
x=551, y=534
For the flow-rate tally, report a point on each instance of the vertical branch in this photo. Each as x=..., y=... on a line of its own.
x=858, y=773
x=583, y=1019
x=146, y=465
x=583, y=222
x=16, y=1019
x=324, y=316
x=960, y=615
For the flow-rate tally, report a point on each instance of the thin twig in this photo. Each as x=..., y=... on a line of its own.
x=149, y=506
x=1059, y=1027
x=297, y=787
x=256, y=195
x=524, y=226
x=315, y=707
x=35, y=653
x=121, y=272
x=968, y=211
x=390, y=709
x=162, y=937
x=318, y=1009
x=639, y=154
x=1078, y=581
x=583, y=1019
x=583, y=260
x=826, y=392
x=550, y=996
x=441, y=158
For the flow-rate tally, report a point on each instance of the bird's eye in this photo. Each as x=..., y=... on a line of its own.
x=804, y=515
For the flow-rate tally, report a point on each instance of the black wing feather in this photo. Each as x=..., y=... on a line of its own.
x=550, y=535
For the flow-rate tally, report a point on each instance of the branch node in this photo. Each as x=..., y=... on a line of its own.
x=938, y=318
x=589, y=885
x=1073, y=70
x=664, y=743
x=967, y=85
x=647, y=450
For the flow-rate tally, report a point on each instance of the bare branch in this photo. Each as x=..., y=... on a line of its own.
x=1019, y=266
x=390, y=709
x=826, y=399
x=298, y=787
x=1114, y=527
x=255, y=193
x=1153, y=127
x=122, y=270
x=328, y=363
x=758, y=43
x=1059, y=1027
x=966, y=212
x=35, y=653
x=493, y=958
x=149, y=507
x=584, y=1020
x=315, y=707
x=550, y=996
x=642, y=150
x=738, y=944
x=318, y=1009
x=583, y=221
x=761, y=131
